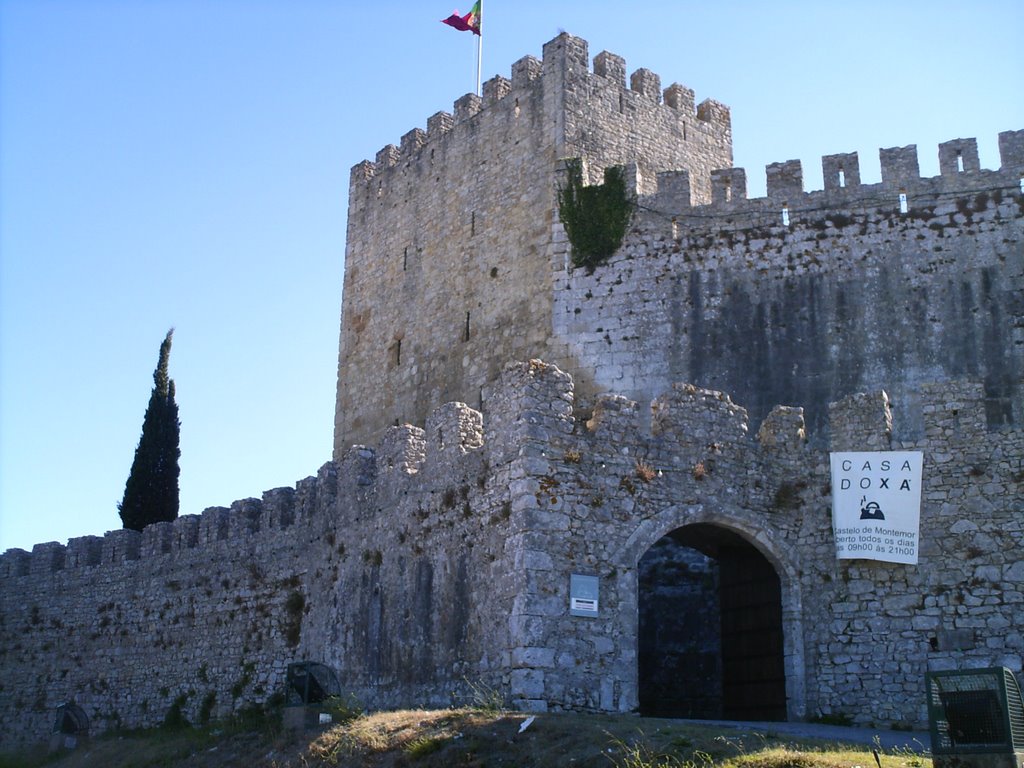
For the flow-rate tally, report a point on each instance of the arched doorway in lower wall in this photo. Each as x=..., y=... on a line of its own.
x=710, y=640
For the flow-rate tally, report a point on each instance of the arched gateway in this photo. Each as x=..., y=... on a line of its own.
x=716, y=619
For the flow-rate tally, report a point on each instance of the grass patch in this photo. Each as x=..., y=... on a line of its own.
x=469, y=738
x=423, y=746
x=827, y=757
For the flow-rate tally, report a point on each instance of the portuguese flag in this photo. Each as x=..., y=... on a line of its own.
x=468, y=23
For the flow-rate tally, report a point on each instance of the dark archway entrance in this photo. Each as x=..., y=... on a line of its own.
x=710, y=639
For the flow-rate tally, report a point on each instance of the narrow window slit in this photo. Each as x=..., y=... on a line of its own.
x=959, y=161
x=842, y=178
x=785, y=214
x=904, y=207
x=728, y=190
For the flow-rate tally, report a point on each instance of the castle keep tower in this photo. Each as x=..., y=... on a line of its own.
x=456, y=261
x=451, y=235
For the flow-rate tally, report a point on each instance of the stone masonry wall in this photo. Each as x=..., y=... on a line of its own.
x=447, y=264
x=390, y=566
x=859, y=635
x=459, y=225
x=850, y=295
x=441, y=560
x=207, y=610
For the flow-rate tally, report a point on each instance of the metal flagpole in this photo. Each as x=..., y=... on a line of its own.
x=480, y=48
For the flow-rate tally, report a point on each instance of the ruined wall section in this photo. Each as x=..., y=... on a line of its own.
x=420, y=613
x=391, y=566
x=599, y=488
x=448, y=256
x=849, y=294
x=201, y=615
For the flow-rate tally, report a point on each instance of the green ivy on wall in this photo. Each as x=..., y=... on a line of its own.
x=595, y=217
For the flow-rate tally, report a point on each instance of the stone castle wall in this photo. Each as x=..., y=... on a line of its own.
x=859, y=635
x=457, y=262
x=389, y=566
x=209, y=608
x=850, y=295
x=447, y=264
x=442, y=560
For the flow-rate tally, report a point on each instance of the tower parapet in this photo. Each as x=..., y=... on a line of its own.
x=960, y=173
x=565, y=60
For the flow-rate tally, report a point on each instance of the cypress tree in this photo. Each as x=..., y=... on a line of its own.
x=151, y=493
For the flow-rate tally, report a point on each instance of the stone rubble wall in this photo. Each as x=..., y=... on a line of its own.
x=389, y=566
x=459, y=224
x=850, y=296
x=439, y=563
x=209, y=608
x=859, y=635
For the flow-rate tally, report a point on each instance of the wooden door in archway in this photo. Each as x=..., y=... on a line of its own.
x=710, y=642
x=750, y=599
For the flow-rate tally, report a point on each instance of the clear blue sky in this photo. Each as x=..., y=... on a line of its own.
x=185, y=163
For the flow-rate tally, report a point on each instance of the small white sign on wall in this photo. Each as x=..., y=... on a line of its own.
x=876, y=505
x=583, y=595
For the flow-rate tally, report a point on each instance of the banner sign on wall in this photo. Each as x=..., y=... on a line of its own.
x=876, y=505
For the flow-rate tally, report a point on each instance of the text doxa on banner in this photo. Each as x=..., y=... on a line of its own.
x=876, y=505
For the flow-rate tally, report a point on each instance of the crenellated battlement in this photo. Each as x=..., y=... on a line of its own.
x=453, y=431
x=277, y=510
x=862, y=419
x=849, y=288
x=453, y=222
x=667, y=193
x=534, y=402
x=564, y=57
x=532, y=397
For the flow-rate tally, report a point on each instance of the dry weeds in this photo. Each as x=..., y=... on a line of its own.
x=475, y=738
